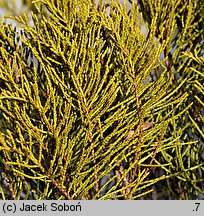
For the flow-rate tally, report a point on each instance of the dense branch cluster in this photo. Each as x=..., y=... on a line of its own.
x=92, y=108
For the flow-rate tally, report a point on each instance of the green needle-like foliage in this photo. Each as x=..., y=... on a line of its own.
x=91, y=108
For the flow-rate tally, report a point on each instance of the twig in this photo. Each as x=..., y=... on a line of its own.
x=63, y=191
x=155, y=152
x=133, y=172
x=10, y=186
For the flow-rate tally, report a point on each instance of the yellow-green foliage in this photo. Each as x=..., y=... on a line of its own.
x=91, y=108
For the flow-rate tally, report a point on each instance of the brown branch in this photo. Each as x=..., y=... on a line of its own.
x=153, y=158
x=59, y=187
x=158, y=144
x=96, y=185
x=133, y=171
x=10, y=186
